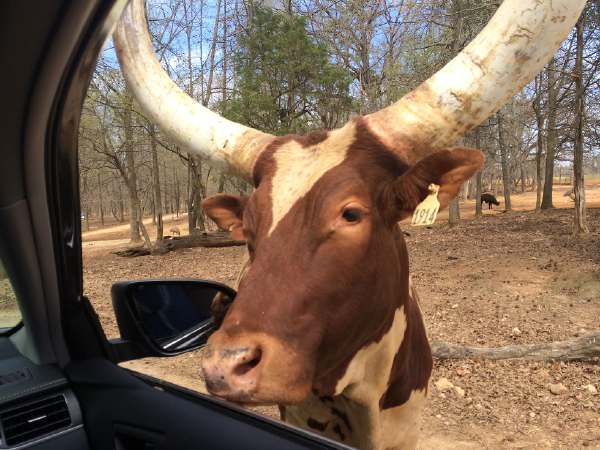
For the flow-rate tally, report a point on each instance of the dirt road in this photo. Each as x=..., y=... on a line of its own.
x=520, y=270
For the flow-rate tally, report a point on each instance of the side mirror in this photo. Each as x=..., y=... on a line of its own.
x=164, y=317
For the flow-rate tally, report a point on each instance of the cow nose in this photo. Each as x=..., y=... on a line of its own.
x=245, y=360
x=231, y=372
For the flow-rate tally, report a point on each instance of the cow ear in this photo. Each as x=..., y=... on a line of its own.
x=449, y=168
x=228, y=213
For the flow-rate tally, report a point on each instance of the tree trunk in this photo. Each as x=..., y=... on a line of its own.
x=197, y=193
x=221, y=183
x=224, y=51
x=169, y=244
x=121, y=206
x=100, y=200
x=580, y=225
x=464, y=190
x=288, y=8
x=454, y=214
x=86, y=213
x=454, y=210
x=157, y=199
x=522, y=179
x=177, y=195
x=551, y=137
x=131, y=178
x=560, y=175
x=153, y=210
x=213, y=51
x=143, y=228
x=583, y=347
x=478, y=211
x=540, y=142
x=191, y=197
x=504, y=162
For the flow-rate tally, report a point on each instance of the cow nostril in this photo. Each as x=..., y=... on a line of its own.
x=247, y=366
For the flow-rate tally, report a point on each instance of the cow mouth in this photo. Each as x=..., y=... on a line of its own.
x=254, y=369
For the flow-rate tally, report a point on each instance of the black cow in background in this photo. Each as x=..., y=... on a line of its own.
x=489, y=199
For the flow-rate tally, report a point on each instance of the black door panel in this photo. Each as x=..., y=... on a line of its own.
x=109, y=395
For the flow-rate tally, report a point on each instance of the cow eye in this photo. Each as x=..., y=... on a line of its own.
x=352, y=215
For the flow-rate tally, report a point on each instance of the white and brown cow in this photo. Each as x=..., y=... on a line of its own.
x=326, y=322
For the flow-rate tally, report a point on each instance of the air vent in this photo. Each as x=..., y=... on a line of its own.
x=34, y=420
x=13, y=377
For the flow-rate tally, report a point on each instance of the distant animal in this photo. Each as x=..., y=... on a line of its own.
x=489, y=199
x=568, y=193
x=346, y=353
x=572, y=196
x=175, y=231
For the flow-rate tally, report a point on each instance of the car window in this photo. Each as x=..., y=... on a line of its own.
x=128, y=169
x=10, y=315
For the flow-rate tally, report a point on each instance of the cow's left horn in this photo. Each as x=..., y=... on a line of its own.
x=225, y=145
x=514, y=46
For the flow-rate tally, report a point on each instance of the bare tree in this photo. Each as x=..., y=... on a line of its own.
x=537, y=108
x=550, y=136
x=454, y=209
x=580, y=225
x=504, y=162
x=478, y=211
x=156, y=185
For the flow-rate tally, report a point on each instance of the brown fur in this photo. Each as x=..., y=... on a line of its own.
x=320, y=288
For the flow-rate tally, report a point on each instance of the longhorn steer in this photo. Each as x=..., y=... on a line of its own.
x=341, y=315
x=326, y=322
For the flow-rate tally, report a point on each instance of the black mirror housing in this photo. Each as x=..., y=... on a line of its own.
x=164, y=317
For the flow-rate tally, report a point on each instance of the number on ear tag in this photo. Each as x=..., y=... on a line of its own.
x=427, y=210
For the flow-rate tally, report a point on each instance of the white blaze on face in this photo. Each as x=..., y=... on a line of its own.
x=299, y=168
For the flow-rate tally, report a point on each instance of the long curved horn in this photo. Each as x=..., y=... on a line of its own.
x=518, y=41
x=223, y=144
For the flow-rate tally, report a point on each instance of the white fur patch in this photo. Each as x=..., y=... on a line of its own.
x=368, y=373
x=367, y=377
x=400, y=426
x=298, y=168
x=357, y=399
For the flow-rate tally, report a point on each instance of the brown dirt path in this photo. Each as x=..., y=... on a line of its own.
x=520, y=270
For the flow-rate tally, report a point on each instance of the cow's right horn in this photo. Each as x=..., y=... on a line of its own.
x=519, y=39
x=223, y=144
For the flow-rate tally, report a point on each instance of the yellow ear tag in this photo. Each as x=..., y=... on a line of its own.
x=427, y=210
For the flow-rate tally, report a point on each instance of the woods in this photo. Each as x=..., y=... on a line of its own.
x=300, y=66
x=294, y=68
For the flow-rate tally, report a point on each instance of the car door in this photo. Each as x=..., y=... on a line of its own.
x=48, y=50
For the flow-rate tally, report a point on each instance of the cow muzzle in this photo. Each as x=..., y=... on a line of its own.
x=254, y=369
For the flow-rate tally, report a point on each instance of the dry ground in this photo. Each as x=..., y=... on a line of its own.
x=477, y=283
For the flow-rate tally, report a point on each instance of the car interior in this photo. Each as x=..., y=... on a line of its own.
x=60, y=383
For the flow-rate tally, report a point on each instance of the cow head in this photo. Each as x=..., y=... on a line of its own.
x=328, y=266
x=327, y=271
